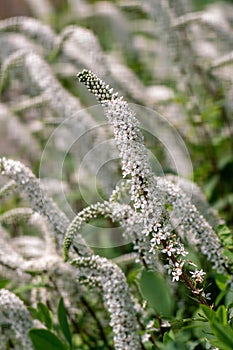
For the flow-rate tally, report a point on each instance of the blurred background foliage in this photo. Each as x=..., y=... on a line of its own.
x=212, y=154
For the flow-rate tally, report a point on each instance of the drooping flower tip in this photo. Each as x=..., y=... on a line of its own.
x=83, y=75
x=96, y=86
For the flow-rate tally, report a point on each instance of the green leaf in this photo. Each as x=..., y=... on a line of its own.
x=221, y=314
x=208, y=312
x=225, y=160
x=61, y=313
x=225, y=235
x=27, y=287
x=45, y=315
x=176, y=345
x=224, y=335
x=166, y=338
x=34, y=312
x=229, y=255
x=4, y=283
x=43, y=339
x=224, y=201
x=218, y=344
x=156, y=291
x=221, y=281
x=220, y=296
x=211, y=185
x=133, y=275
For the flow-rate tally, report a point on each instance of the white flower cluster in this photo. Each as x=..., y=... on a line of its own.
x=193, y=225
x=116, y=297
x=91, y=212
x=62, y=103
x=148, y=195
x=117, y=212
x=42, y=77
x=29, y=185
x=6, y=189
x=96, y=86
x=41, y=224
x=9, y=258
x=15, y=321
x=16, y=214
x=39, y=265
x=31, y=27
x=100, y=272
x=60, y=277
x=18, y=134
x=76, y=45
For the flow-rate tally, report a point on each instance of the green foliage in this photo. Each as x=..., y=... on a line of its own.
x=63, y=322
x=226, y=236
x=52, y=335
x=44, y=339
x=43, y=314
x=155, y=290
x=4, y=283
x=218, y=322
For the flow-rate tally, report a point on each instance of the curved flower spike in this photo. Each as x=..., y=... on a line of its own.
x=29, y=185
x=15, y=321
x=116, y=297
x=117, y=212
x=95, y=85
x=84, y=216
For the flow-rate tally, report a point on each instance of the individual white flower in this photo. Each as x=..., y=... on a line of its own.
x=145, y=337
x=198, y=275
x=177, y=271
x=169, y=250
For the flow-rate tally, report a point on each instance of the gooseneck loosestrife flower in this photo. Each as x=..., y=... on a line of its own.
x=116, y=293
x=109, y=277
x=149, y=199
x=28, y=184
x=16, y=321
x=148, y=223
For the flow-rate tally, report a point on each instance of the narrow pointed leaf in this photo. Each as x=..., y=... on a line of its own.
x=45, y=315
x=221, y=314
x=43, y=339
x=61, y=313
